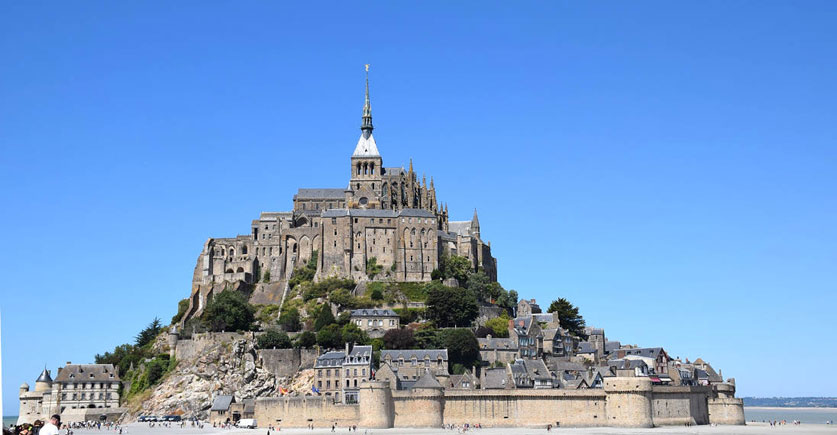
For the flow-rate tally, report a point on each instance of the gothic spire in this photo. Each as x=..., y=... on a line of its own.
x=366, y=127
x=475, y=221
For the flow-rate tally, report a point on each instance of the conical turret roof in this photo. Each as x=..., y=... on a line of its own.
x=45, y=377
x=427, y=380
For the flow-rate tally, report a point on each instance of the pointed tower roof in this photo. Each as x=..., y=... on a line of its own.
x=366, y=146
x=45, y=377
x=427, y=380
x=475, y=221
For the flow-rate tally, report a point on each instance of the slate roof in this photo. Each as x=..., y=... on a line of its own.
x=330, y=359
x=87, y=373
x=394, y=171
x=371, y=312
x=611, y=346
x=44, y=377
x=321, y=194
x=427, y=380
x=536, y=369
x=463, y=228
x=543, y=317
x=222, y=403
x=585, y=347
x=377, y=213
x=495, y=379
x=648, y=352
x=408, y=354
x=361, y=351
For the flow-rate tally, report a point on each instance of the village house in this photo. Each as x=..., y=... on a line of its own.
x=375, y=322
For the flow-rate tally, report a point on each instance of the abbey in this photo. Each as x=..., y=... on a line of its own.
x=384, y=214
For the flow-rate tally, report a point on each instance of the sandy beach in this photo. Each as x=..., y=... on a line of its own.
x=752, y=428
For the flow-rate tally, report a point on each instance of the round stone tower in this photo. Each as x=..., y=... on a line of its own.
x=377, y=410
x=725, y=408
x=24, y=388
x=44, y=382
x=172, y=341
x=427, y=402
x=628, y=402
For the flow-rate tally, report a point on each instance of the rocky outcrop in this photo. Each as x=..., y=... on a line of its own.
x=230, y=367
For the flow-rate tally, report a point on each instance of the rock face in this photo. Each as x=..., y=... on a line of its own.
x=216, y=368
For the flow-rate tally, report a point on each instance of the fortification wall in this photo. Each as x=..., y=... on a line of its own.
x=302, y=411
x=420, y=408
x=190, y=348
x=726, y=410
x=521, y=408
x=680, y=405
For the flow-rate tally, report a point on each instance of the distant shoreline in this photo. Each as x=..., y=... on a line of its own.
x=791, y=407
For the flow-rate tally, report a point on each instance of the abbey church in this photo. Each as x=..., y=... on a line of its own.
x=384, y=213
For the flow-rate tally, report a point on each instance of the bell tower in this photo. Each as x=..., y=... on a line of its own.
x=366, y=180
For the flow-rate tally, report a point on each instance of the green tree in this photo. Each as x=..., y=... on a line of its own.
x=342, y=298
x=462, y=346
x=568, y=315
x=289, y=320
x=373, y=268
x=150, y=332
x=448, y=306
x=273, y=339
x=266, y=276
x=376, y=294
x=228, y=311
x=399, y=339
x=324, y=317
x=350, y=333
x=330, y=337
x=306, y=340
x=182, y=306
x=455, y=266
x=482, y=287
x=500, y=326
x=484, y=331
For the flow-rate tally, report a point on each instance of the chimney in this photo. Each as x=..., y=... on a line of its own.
x=511, y=324
x=347, y=349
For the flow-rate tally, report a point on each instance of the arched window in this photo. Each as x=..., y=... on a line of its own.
x=358, y=168
x=372, y=169
x=243, y=250
x=232, y=252
x=294, y=248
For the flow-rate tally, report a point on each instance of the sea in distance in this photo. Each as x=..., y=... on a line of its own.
x=805, y=415
x=9, y=420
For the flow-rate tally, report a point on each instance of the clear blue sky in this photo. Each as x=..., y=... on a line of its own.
x=670, y=167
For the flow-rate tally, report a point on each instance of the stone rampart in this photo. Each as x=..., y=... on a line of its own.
x=624, y=402
x=680, y=405
x=302, y=411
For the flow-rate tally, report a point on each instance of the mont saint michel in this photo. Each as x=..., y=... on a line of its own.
x=367, y=306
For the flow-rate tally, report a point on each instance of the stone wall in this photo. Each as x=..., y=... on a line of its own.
x=285, y=363
x=302, y=411
x=680, y=405
x=526, y=408
x=624, y=402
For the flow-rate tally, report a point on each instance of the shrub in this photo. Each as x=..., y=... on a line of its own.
x=289, y=320
x=449, y=306
x=499, y=326
x=324, y=317
x=266, y=276
x=273, y=339
x=399, y=339
x=376, y=294
x=462, y=346
x=350, y=333
x=330, y=337
x=306, y=340
x=373, y=268
x=228, y=311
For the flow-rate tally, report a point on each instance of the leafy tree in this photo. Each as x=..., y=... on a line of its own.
x=228, y=311
x=508, y=300
x=330, y=336
x=150, y=332
x=182, y=306
x=462, y=346
x=373, y=268
x=483, y=287
x=428, y=338
x=273, y=339
x=399, y=339
x=289, y=320
x=156, y=368
x=376, y=294
x=123, y=356
x=266, y=276
x=448, y=306
x=342, y=298
x=306, y=340
x=455, y=266
x=351, y=333
x=324, y=317
x=343, y=318
x=568, y=316
x=499, y=326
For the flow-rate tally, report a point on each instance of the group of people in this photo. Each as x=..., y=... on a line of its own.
x=463, y=427
x=51, y=427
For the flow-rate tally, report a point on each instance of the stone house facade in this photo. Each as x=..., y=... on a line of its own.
x=375, y=322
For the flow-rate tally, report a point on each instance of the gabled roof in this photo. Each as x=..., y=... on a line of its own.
x=331, y=359
x=497, y=343
x=361, y=351
x=222, y=403
x=87, y=373
x=495, y=379
x=366, y=147
x=427, y=380
x=585, y=347
x=463, y=228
